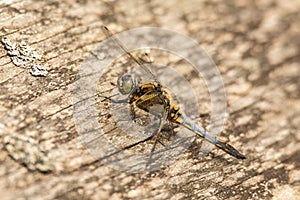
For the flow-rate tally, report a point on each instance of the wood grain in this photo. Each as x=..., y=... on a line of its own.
x=256, y=47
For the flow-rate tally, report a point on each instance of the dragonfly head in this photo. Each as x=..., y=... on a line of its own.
x=126, y=84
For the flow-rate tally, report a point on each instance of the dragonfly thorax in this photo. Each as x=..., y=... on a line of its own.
x=126, y=84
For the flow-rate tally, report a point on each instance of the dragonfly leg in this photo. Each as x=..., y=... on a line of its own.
x=128, y=147
x=155, y=133
x=132, y=113
x=171, y=129
x=156, y=136
x=126, y=100
x=169, y=135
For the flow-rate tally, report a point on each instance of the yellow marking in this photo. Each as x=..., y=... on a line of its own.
x=208, y=139
x=172, y=114
x=218, y=145
x=148, y=86
x=199, y=133
x=179, y=120
x=147, y=97
x=227, y=150
x=176, y=107
x=188, y=126
x=220, y=140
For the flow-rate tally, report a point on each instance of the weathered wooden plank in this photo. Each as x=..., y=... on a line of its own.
x=256, y=48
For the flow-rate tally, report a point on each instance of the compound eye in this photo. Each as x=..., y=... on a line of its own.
x=125, y=84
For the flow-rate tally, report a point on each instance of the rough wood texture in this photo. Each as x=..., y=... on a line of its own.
x=256, y=47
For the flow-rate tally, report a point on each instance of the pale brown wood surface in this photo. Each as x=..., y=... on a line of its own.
x=256, y=47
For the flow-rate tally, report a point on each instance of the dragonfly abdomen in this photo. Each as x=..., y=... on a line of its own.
x=177, y=116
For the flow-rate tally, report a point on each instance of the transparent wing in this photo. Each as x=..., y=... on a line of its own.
x=129, y=123
x=132, y=134
x=108, y=33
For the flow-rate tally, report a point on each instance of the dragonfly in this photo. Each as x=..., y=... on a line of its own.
x=147, y=95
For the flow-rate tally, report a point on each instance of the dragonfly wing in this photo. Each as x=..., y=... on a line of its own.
x=109, y=34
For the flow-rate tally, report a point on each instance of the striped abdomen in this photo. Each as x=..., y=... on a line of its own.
x=178, y=117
